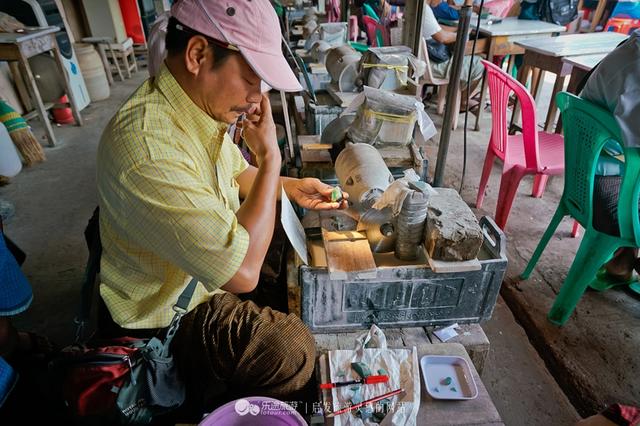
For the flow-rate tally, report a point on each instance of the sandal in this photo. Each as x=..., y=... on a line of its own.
x=604, y=280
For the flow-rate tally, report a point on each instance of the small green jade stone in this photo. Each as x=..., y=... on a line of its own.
x=362, y=369
x=336, y=195
x=382, y=372
x=446, y=381
x=436, y=390
x=453, y=390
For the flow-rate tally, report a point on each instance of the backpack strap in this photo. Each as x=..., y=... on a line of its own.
x=180, y=309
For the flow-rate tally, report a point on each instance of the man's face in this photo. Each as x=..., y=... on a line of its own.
x=228, y=90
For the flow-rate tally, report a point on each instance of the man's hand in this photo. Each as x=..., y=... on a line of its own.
x=259, y=132
x=310, y=193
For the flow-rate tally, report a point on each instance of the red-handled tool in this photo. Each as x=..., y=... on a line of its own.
x=366, y=381
x=363, y=403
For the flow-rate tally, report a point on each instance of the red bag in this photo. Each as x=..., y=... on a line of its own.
x=95, y=375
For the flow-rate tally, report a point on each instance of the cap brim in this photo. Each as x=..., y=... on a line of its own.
x=272, y=69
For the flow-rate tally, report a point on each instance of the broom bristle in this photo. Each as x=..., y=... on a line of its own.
x=28, y=145
x=4, y=180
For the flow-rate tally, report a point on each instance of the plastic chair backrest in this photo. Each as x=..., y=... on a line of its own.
x=376, y=32
x=370, y=12
x=587, y=127
x=423, y=55
x=501, y=85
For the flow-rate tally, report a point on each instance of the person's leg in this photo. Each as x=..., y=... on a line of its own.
x=605, y=219
x=229, y=348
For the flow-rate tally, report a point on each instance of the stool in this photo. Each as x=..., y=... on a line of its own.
x=124, y=52
x=102, y=44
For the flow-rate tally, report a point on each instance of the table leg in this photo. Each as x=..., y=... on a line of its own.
x=23, y=92
x=597, y=15
x=135, y=62
x=537, y=79
x=512, y=61
x=125, y=60
x=35, y=93
x=105, y=63
x=577, y=74
x=483, y=88
x=523, y=76
x=553, y=108
x=116, y=63
x=72, y=99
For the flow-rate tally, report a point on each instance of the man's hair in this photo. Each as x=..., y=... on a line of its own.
x=178, y=38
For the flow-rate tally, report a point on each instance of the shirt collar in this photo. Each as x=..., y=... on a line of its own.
x=209, y=131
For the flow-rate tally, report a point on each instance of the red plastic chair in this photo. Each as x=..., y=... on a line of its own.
x=532, y=152
x=377, y=33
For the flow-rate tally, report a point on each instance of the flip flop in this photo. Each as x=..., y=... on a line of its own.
x=604, y=281
x=635, y=287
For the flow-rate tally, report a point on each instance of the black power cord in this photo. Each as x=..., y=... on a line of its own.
x=466, y=112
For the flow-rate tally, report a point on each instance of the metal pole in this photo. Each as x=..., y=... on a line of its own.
x=454, y=83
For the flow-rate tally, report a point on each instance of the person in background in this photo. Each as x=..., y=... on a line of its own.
x=615, y=86
x=446, y=11
x=431, y=30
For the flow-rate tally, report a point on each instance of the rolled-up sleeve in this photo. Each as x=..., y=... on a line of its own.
x=183, y=220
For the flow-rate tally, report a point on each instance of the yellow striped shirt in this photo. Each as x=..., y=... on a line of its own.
x=168, y=196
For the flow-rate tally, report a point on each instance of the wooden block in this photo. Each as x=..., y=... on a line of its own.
x=308, y=139
x=348, y=252
x=315, y=157
x=474, y=340
x=317, y=68
x=316, y=146
x=444, y=266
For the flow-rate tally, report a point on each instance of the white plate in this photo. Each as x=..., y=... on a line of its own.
x=437, y=368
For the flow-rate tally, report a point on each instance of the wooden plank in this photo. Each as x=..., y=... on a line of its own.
x=348, y=252
x=443, y=266
x=310, y=156
x=415, y=336
x=316, y=146
x=308, y=139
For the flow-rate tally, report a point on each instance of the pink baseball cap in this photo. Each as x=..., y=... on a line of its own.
x=250, y=25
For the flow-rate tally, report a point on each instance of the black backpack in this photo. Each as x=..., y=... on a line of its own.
x=559, y=12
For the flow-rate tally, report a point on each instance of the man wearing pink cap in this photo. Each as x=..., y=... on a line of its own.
x=170, y=182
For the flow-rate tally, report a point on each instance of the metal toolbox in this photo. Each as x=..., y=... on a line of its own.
x=401, y=295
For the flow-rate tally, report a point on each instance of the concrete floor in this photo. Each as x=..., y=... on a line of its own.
x=594, y=355
x=589, y=356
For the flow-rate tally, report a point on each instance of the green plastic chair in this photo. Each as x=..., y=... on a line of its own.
x=587, y=128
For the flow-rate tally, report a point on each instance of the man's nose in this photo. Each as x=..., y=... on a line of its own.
x=255, y=96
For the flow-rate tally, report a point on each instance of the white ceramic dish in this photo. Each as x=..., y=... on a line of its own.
x=438, y=370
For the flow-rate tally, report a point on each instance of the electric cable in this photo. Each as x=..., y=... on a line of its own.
x=466, y=112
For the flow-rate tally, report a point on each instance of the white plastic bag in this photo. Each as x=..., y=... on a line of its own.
x=400, y=364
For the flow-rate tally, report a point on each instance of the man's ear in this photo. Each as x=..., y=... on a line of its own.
x=195, y=54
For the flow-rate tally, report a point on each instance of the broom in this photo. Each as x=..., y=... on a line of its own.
x=21, y=135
